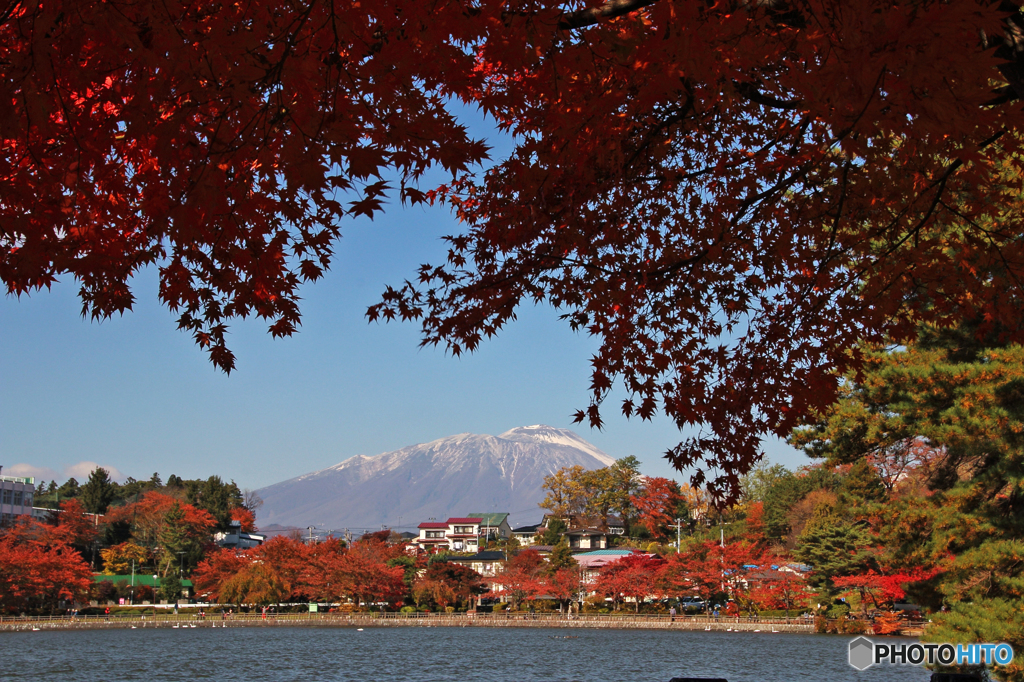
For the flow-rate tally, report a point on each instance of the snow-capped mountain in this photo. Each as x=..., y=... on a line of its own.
x=451, y=476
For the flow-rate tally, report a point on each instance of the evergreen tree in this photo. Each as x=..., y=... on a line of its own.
x=626, y=477
x=69, y=489
x=959, y=392
x=552, y=534
x=787, y=490
x=98, y=492
x=179, y=547
x=214, y=496
x=861, y=485
x=833, y=550
x=170, y=587
x=561, y=557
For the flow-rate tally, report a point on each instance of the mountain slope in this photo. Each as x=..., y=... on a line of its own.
x=447, y=477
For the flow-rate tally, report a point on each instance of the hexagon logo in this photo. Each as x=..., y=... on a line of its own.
x=862, y=653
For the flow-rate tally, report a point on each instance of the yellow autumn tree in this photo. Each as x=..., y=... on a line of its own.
x=117, y=560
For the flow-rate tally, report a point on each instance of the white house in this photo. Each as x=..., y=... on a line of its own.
x=236, y=539
x=458, y=534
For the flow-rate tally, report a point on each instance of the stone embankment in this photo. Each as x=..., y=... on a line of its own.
x=370, y=620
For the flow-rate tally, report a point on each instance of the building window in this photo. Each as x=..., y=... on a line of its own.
x=17, y=498
x=463, y=530
x=435, y=534
x=28, y=500
x=6, y=498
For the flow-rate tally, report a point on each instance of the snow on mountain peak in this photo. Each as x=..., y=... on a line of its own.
x=541, y=433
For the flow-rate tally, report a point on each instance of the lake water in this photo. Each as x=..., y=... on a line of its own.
x=418, y=654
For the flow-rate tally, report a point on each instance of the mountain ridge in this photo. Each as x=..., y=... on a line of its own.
x=444, y=477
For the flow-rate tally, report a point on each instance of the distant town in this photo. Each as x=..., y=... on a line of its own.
x=610, y=540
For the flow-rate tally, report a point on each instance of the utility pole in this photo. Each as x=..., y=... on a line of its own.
x=678, y=534
x=310, y=529
x=721, y=531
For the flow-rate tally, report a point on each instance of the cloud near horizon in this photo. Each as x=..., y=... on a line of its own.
x=80, y=472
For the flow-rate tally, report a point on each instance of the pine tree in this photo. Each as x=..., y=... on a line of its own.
x=560, y=557
x=834, y=549
x=957, y=395
x=179, y=547
x=69, y=489
x=98, y=492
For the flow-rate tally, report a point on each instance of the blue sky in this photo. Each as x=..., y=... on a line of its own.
x=136, y=396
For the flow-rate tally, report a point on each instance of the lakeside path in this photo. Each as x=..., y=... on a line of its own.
x=366, y=620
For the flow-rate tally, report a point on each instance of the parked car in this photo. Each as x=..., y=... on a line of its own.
x=691, y=604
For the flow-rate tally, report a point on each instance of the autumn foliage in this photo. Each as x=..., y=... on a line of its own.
x=729, y=196
x=288, y=570
x=148, y=516
x=39, y=567
x=634, y=576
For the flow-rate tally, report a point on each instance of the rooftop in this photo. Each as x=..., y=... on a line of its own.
x=488, y=555
x=490, y=519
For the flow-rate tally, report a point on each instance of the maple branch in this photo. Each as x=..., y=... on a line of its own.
x=11, y=8
x=609, y=10
x=750, y=91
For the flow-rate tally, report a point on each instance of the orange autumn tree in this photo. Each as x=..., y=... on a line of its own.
x=215, y=570
x=39, y=569
x=70, y=526
x=287, y=565
x=565, y=585
x=519, y=579
x=657, y=505
x=708, y=569
x=636, y=576
x=363, y=575
x=245, y=518
x=147, y=517
x=255, y=584
x=730, y=196
x=288, y=559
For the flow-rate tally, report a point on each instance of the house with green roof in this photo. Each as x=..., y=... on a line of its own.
x=494, y=525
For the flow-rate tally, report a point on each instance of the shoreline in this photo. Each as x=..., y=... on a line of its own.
x=766, y=626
